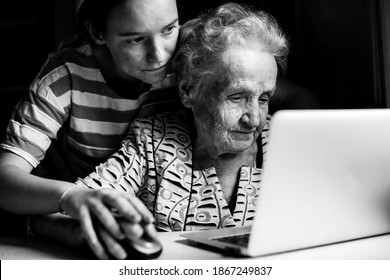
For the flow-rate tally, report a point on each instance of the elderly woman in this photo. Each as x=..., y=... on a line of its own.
x=200, y=168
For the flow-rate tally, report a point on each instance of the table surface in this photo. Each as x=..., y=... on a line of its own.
x=179, y=248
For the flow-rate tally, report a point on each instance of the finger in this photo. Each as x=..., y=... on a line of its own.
x=150, y=230
x=89, y=233
x=132, y=231
x=114, y=248
x=147, y=216
x=125, y=207
x=106, y=217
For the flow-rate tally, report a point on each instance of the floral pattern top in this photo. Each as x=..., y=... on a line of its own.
x=155, y=163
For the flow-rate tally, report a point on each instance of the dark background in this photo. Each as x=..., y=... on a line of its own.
x=336, y=46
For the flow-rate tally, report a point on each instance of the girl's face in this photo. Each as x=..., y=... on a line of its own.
x=141, y=37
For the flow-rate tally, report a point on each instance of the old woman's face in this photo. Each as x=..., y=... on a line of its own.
x=233, y=113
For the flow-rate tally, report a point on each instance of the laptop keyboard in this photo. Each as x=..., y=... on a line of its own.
x=241, y=239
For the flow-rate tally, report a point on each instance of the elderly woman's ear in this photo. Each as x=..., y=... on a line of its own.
x=185, y=93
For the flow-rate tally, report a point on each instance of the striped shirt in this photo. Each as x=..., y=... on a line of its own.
x=71, y=94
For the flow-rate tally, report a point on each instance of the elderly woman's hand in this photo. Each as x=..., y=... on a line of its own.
x=108, y=216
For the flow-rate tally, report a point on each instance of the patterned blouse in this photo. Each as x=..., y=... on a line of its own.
x=155, y=163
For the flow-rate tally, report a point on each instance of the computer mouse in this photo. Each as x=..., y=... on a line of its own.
x=146, y=247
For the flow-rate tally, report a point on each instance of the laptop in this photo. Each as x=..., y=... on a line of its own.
x=326, y=180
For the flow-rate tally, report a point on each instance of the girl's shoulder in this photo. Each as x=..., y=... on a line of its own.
x=66, y=59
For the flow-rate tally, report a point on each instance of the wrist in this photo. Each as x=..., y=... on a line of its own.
x=63, y=197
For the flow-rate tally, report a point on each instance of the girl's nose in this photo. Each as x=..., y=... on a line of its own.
x=156, y=51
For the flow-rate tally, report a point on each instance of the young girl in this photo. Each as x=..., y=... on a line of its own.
x=79, y=108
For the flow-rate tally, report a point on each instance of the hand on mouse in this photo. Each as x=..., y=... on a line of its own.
x=136, y=244
x=108, y=216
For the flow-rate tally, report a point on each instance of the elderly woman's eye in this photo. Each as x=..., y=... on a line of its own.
x=235, y=98
x=264, y=99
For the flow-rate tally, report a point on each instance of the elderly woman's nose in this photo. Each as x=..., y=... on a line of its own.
x=156, y=51
x=252, y=116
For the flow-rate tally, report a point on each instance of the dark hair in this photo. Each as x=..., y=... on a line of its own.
x=94, y=11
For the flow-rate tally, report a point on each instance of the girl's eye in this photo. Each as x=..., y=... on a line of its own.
x=135, y=41
x=169, y=29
